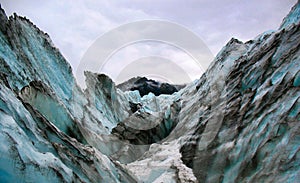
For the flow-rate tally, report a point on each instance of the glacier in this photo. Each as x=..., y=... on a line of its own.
x=239, y=122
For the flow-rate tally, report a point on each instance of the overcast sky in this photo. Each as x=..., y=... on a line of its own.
x=75, y=25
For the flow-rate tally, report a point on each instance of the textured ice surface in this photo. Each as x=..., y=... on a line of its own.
x=43, y=113
x=33, y=149
x=293, y=17
x=239, y=122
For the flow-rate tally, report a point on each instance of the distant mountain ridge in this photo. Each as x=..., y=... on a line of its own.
x=145, y=86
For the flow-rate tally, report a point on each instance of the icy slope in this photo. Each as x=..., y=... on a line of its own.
x=255, y=131
x=293, y=17
x=227, y=126
x=238, y=123
x=33, y=149
x=43, y=113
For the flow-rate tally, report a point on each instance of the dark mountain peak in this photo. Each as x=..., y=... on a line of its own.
x=145, y=86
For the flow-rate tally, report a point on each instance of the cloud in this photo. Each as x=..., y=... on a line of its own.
x=73, y=27
x=155, y=50
x=217, y=21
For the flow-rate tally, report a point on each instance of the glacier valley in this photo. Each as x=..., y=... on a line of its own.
x=239, y=122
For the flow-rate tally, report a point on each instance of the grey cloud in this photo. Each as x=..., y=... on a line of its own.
x=220, y=20
x=75, y=26
x=168, y=71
